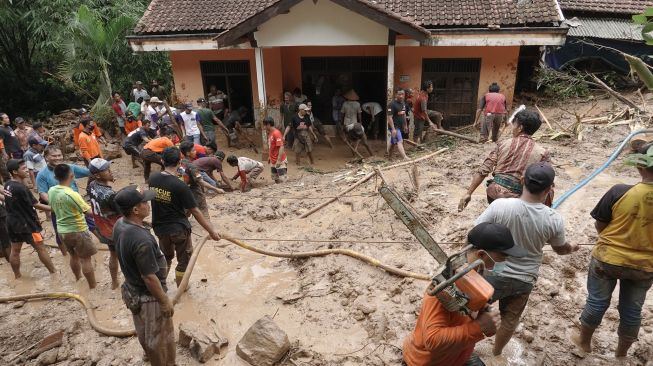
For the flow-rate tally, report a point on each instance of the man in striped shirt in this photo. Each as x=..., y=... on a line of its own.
x=508, y=161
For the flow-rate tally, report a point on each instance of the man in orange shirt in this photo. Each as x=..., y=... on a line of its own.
x=447, y=338
x=151, y=152
x=277, y=156
x=131, y=123
x=89, y=147
x=83, y=114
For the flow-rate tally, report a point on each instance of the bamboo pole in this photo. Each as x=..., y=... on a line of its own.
x=453, y=134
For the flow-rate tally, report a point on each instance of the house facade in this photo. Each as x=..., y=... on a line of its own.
x=254, y=50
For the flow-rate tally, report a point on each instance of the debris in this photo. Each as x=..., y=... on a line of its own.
x=264, y=343
x=546, y=120
x=623, y=99
x=48, y=357
x=453, y=134
x=202, y=346
x=18, y=304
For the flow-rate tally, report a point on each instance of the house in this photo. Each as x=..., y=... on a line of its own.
x=595, y=26
x=254, y=50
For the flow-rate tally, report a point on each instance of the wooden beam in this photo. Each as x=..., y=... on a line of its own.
x=392, y=37
x=252, y=40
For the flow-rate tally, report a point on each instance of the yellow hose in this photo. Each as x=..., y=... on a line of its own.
x=191, y=265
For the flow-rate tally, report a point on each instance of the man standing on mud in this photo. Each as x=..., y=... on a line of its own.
x=145, y=270
x=277, y=154
x=508, y=161
x=173, y=200
x=397, y=125
x=493, y=107
x=622, y=253
x=422, y=115
x=532, y=225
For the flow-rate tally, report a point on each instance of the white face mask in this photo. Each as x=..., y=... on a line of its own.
x=499, y=267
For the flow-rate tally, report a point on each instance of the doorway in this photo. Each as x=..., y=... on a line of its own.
x=455, y=88
x=322, y=76
x=234, y=79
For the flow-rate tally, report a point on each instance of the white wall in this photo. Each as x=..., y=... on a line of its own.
x=321, y=24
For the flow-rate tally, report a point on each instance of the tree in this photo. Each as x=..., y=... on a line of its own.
x=90, y=49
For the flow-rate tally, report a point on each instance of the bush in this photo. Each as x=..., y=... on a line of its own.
x=105, y=117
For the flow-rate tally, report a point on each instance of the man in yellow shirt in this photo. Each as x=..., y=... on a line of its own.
x=623, y=252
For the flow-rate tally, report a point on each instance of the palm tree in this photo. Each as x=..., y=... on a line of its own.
x=90, y=48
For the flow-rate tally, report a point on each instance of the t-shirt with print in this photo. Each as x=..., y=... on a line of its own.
x=300, y=123
x=208, y=164
x=9, y=139
x=22, y=217
x=139, y=255
x=173, y=198
x=627, y=240
x=34, y=160
x=275, y=141
x=104, y=213
x=532, y=225
x=190, y=121
x=206, y=119
x=394, y=109
x=69, y=208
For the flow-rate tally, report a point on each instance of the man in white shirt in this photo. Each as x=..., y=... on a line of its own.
x=192, y=127
x=139, y=92
x=374, y=109
x=248, y=170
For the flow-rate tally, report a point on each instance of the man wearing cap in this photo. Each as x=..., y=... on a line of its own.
x=145, y=269
x=89, y=147
x=148, y=111
x=139, y=92
x=34, y=159
x=104, y=214
x=119, y=108
x=170, y=208
x=70, y=210
x=508, y=160
x=208, y=120
x=303, y=134
x=158, y=90
x=192, y=126
x=533, y=225
x=624, y=253
x=397, y=125
x=442, y=337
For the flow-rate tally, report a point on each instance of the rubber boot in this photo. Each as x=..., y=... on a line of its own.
x=583, y=339
x=623, y=346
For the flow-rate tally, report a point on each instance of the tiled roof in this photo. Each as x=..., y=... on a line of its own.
x=626, y=7
x=211, y=16
x=605, y=28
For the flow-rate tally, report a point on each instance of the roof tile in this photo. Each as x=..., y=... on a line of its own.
x=626, y=7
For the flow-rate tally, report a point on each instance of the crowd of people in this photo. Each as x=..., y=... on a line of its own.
x=509, y=235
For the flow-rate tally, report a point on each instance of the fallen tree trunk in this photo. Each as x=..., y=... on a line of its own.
x=453, y=134
x=623, y=99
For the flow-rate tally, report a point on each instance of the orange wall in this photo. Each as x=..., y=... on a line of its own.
x=497, y=64
x=188, y=75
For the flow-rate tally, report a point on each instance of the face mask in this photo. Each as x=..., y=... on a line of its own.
x=499, y=267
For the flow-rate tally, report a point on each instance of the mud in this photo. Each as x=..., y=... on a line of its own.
x=336, y=310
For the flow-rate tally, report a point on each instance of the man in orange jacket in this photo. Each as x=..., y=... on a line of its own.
x=89, y=147
x=447, y=338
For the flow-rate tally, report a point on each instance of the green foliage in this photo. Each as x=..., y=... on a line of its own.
x=641, y=160
x=36, y=37
x=561, y=85
x=646, y=19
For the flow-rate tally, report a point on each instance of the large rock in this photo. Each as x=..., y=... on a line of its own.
x=48, y=357
x=202, y=346
x=111, y=151
x=264, y=343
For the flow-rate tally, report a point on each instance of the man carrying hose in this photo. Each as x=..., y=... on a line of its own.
x=173, y=203
x=446, y=338
x=508, y=160
x=145, y=270
x=624, y=253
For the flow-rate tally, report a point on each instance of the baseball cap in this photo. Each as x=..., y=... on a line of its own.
x=155, y=100
x=19, y=120
x=130, y=196
x=494, y=237
x=539, y=175
x=98, y=165
x=201, y=100
x=139, y=83
x=14, y=164
x=303, y=107
x=34, y=140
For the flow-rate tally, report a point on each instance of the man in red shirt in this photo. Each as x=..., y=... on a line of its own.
x=278, y=160
x=423, y=116
x=493, y=106
x=447, y=338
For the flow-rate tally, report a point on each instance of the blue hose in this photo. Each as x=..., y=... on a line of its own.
x=612, y=158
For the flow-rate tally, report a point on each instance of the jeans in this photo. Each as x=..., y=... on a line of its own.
x=633, y=285
x=208, y=179
x=194, y=138
x=210, y=136
x=512, y=295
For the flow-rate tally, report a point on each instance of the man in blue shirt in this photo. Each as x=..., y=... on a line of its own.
x=46, y=180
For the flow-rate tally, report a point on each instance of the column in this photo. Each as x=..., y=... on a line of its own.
x=262, y=98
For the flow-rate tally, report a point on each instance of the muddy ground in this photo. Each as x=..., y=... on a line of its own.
x=337, y=310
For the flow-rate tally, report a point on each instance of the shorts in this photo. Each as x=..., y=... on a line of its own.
x=356, y=132
x=179, y=242
x=303, y=142
x=397, y=139
x=280, y=174
x=131, y=150
x=29, y=238
x=80, y=244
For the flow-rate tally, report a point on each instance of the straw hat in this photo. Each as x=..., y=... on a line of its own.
x=351, y=95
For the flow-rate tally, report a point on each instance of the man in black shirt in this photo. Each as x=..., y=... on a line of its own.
x=23, y=223
x=397, y=124
x=11, y=145
x=169, y=213
x=302, y=129
x=133, y=142
x=145, y=270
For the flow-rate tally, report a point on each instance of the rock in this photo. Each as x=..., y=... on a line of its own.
x=48, y=357
x=264, y=343
x=358, y=315
x=111, y=151
x=202, y=346
x=528, y=336
x=363, y=304
x=18, y=304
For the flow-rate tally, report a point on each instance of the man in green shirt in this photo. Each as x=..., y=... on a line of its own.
x=208, y=120
x=70, y=209
x=135, y=108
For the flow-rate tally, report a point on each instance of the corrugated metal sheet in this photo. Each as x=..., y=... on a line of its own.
x=605, y=28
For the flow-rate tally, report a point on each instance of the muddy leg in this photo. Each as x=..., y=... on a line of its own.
x=583, y=339
x=75, y=266
x=44, y=256
x=113, y=269
x=88, y=271
x=14, y=259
